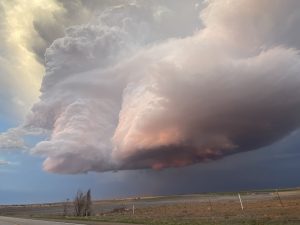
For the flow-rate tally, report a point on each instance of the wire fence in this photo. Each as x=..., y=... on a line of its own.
x=247, y=205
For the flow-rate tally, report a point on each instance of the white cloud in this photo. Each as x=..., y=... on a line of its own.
x=4, y=162
x=134, y=88
x=20, y=72
x=27, y=28
x=13, y=138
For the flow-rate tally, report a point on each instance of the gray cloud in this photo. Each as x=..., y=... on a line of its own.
x=49, y=28
x=138, y=87
x=192, y=117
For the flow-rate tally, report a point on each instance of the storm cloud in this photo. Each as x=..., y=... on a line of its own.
x=137, y=86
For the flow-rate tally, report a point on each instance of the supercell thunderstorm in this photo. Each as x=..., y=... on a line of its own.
x=131, y=89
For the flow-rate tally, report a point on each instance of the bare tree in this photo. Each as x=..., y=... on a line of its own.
x=88, y=203
x=79, y=203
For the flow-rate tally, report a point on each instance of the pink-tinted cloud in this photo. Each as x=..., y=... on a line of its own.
x=117, y=94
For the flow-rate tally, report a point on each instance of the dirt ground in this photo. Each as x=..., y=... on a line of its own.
x=259, y=208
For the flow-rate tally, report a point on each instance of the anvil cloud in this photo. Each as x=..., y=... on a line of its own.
x=135, y=88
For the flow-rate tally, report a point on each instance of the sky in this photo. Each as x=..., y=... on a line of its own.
x=150, y=97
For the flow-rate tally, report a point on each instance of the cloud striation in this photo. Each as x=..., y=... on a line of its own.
x=133, y=89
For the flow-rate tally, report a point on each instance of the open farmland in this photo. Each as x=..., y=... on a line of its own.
x=264, y=207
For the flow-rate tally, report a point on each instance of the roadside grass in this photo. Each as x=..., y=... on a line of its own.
x=175, y=221
x=267, y=212
x=204, y=209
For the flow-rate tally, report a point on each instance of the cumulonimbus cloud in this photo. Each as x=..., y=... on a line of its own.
x=117, y=94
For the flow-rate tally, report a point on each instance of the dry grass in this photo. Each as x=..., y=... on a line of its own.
x=260, y=209
x=267, y=210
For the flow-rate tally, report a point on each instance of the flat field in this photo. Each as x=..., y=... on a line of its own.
x=259, y=207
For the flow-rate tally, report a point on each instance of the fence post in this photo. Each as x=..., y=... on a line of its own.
x=132, y=209
x=279, y=198
x=242, y=207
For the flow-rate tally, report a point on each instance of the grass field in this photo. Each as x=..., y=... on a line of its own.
x=260, y=208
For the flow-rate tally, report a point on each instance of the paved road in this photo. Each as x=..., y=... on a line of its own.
x=18, y=221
